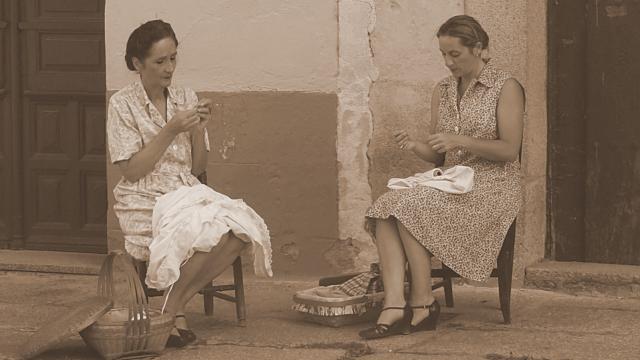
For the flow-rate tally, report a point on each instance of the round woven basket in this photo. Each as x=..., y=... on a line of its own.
x=108, y=335
x=127, y=331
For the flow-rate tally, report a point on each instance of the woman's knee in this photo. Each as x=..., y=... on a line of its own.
x=388, y=222
x=235, y=242
x=386, y=230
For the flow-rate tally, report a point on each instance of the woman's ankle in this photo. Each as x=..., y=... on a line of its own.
x=423, y=301
x=181, y=321
x=394, y=302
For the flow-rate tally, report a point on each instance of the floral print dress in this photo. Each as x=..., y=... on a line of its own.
x=464, y=231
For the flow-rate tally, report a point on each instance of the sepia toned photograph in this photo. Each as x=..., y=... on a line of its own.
x=320, y=179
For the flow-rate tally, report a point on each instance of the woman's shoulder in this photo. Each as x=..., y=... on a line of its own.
x=446, y=81
x=440, y=90
x=127, y=94
x=498, y=76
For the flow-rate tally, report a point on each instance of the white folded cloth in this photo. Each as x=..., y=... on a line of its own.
x=194, y=218
x=454, y=180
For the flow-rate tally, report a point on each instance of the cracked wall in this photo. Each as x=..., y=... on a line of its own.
x=357, y=19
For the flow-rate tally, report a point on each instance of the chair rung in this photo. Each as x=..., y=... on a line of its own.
x=222, y=287
x=211, y=287
x=224, y=297
x=443, y=273
x=437, y=285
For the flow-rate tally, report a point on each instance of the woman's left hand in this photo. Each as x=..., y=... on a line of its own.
x=204, y=113
x=441, y=143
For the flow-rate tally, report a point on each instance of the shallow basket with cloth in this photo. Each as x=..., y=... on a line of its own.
x=357, y=298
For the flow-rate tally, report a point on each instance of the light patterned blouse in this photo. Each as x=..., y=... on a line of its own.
x=132, y=122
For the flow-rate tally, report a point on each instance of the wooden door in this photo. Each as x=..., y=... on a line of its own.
x=594, y=131
x=612, y=202
x=5, y=130
x=63, y=124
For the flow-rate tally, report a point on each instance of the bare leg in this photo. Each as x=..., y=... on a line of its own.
x=392, y=266
x=181, y=321
x=201, y=269
x=420, y=266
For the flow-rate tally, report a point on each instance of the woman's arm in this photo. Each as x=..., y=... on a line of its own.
x=199, y=150
x=510, y=115
x=143, y=162
x=199, y=153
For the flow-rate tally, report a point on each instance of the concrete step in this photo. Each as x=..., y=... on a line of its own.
x=51, y=262
x=579, y=278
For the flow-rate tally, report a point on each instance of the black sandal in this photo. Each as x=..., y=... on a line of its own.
x=175, y=341
x=430, y=322
x=186, y=334
x=400, y=326
x=185, y=338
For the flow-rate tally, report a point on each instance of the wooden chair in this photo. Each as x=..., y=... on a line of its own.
x=503, y=272
x=211, y=290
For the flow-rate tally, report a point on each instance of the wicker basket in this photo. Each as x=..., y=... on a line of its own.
x=128, y=331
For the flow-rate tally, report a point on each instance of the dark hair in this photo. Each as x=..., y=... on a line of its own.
x=142, y=39
x=467, y=29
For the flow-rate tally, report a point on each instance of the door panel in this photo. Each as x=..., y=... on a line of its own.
x=613, y=133
x=64, y=125
x=566, y=134
x=64, y=61
x=5, y=130
x=85, y=9
x=594, y=131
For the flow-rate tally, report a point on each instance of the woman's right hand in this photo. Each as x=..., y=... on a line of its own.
x=183, y=120
x=403, y=140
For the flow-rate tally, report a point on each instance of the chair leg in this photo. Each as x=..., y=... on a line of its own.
x=448, y=286
x=505, y=272
x=207, y=299
x=238, y=282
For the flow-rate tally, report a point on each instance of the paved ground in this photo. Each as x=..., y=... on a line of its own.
x=545, y=325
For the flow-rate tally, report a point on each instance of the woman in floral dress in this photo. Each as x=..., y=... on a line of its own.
x=477, y=117
x=157, y=136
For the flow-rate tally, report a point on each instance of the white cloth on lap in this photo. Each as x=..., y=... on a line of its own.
x=194, y=218
x=455, y=180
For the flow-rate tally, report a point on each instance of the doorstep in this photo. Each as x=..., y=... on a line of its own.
x=579, y=278
x=51, y=262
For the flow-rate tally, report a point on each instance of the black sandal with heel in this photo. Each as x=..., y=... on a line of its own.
x=399, y=327
x=430, y=322
x=185, y=338
x=186, y=334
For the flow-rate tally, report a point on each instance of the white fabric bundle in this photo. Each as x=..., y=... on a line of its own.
x=455, y=180
x=194, y=218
